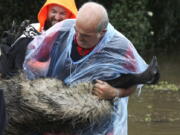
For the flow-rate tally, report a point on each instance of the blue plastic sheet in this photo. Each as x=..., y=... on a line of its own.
x=113, y=56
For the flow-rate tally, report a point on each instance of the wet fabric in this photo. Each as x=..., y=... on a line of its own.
x=112, y=56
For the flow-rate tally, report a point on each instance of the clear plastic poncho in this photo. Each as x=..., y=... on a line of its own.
x=111, y=57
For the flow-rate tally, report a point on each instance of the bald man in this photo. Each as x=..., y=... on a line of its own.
x=85, y=49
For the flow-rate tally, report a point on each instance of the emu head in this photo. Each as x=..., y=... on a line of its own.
x=9, y=36
x=7, y=39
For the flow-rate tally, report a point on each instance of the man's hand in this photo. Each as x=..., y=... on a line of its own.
x=37, y=66
x=105, y=91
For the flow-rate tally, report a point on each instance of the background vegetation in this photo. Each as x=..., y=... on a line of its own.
x=149, y=24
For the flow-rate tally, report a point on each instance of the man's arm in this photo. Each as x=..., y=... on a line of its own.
x=37, y=66
x=105, y=91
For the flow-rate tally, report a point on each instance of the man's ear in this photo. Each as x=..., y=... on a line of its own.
x=102, y=33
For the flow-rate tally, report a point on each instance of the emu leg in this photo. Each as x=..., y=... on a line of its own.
x=4, y=66
x=2, y=113
x=150, y=76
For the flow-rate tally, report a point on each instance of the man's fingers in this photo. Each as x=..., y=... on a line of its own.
x=97, y=90
x=99, y=81
x=97, y=94
x=100, y=84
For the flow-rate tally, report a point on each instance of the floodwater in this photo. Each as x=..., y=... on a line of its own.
x=157, y=112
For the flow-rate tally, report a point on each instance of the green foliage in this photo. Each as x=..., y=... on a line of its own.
x=130, y=18
x=165, y=23
x=149, y=24
x=18, y=10
x=163, y=85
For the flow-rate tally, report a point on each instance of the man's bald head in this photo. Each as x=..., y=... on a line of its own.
x=93, y=16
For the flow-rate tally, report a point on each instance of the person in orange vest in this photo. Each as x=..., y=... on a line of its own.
x=52, y=11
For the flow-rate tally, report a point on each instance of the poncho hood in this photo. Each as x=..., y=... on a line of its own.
x=67, y=4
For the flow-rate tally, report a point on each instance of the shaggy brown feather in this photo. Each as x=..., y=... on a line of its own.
x=48, y=105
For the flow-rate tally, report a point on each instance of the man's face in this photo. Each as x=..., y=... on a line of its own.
x=56, y=14
x=87, y=37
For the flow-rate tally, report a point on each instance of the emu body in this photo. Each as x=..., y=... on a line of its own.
x=47, y=104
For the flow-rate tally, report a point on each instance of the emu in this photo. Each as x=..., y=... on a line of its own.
x=25, y=116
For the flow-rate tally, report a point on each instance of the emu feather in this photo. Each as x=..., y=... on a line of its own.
x=49, y=105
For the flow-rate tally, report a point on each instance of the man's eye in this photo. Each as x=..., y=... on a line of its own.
x=53, y=11
x=62, y=13
x=85, y=36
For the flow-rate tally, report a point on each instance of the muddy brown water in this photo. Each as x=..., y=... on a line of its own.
x=157, y=112
x=154, y=113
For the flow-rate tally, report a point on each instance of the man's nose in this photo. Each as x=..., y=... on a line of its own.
x=58, y=17
x=79, y=36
